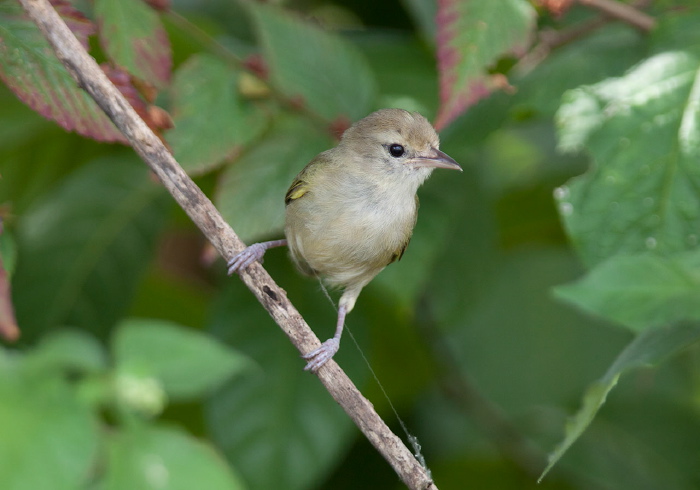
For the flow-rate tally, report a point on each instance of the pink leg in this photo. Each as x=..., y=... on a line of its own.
x=323, y=354
x=251, y=254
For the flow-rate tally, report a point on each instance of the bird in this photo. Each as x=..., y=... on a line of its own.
x=351, y=211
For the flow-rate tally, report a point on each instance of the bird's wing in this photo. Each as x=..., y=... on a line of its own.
x=301, y=183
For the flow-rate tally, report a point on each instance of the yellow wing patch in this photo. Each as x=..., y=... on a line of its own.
x=296, y=190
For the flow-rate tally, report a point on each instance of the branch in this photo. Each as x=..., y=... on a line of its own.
x=624, y=12
x=90, y=77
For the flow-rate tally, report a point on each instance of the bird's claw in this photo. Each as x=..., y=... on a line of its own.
x=318, y=357
x=242, y=260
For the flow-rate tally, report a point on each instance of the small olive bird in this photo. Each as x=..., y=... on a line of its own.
x=351, y=211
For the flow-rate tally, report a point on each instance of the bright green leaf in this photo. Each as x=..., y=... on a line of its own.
x=640, y=291
x=166, y=458
x=85, y=245
x=471, y=36
x=49, y=439
x=68, y=350
x=649, y=348
x=321, y=68
x=187, y=362
x=212, y=120
x=31, y=70
x=134, y=38
x=251, y=191
x=642, y=133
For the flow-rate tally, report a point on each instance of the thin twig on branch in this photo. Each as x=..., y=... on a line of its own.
x=624, y=12
x=90, y=77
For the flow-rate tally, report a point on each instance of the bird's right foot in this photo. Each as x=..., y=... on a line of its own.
x=242, y=260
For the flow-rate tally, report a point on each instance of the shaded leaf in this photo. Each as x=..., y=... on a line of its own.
x=133, y=37
x=31, y=70
x=102, y=222
x=640, y=291
x=148, y=457
x=212, y=120
x=641, y=131
x=278, y=416
x=40, y=417
x=649, y=348
x=317, y=68
x=471, y=36
x=250, y=193
x=187, y=362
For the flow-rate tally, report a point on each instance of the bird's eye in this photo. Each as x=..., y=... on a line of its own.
x=396, y=150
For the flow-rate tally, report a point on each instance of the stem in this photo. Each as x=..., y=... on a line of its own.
x=90, y=77
x=624, y=12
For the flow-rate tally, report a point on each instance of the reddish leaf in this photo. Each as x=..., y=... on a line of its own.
x=154, y=117
x=8, y=324
x=31, y=70
x=133, y=37
x=471, y=36
x=81, y=26
x=160, y=5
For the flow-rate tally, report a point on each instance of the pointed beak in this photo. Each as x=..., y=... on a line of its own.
x=436, y=159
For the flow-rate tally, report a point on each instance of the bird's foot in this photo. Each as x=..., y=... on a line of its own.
x=317, y=358
x=246, y=257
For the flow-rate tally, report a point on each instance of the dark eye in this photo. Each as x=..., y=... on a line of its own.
x=396, y=150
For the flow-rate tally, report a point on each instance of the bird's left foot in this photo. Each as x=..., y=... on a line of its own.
x=317, y=358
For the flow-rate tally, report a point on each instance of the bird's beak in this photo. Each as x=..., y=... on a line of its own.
x=435, y=159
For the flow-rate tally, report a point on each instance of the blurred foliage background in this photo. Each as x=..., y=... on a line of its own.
x=561, y=263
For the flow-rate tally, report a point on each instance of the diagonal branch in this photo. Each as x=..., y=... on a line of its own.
x=90, y=77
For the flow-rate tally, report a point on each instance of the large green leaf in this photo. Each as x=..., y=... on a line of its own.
x=640, y=291
x=85, y=245
x=320, y=68
x=29, y=67
x=277, y=425
x=250, y=194
x=166, y=458
x=187, y=362
x=49, y=438
x=642, y=133
x=471, y=36
x=212, y=120
x=649, y=348
x=134, y=38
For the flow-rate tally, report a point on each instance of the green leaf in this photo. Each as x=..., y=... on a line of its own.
x=212, y=120
x=8, y=251
x=49, y=439
x=166, y=458
x=279, y=417
x=649, y=348
x=83, y=248
x=250, y=194
x=187, y=362
x=133, y=37
x=322, y=69
x=68, y=350
x=677, y=30
x=471, y=36
x=640, y=291
x=641, y=131
x=608, y=52
x=31, y=70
